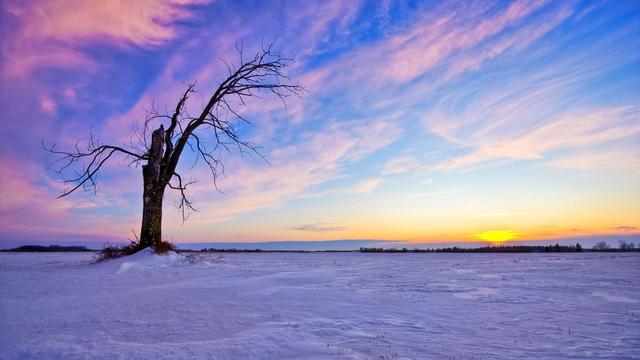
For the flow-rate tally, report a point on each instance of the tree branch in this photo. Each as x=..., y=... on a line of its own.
x=96, y=156
x=185, y=202
x=265, y=72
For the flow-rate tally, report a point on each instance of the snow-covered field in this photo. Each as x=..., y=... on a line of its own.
x=321, y=306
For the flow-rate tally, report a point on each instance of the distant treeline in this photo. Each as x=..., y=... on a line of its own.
x=600, y=247
x=50, y=248
x=232, y=250
x=484, y=249
x=226, y=250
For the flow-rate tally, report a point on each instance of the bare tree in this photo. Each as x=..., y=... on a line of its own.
x=209, y=134
x=626, y=245
x=601, y=246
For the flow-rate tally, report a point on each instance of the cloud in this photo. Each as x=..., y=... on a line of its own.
x=50, y=33
x=541, y=114
x=614, y=159
x=515, y=41
x=48, y=105
x=360, y=187
x=399, y=165
x=364, y=186
x=547, y=110
x=571, y=130
x=143, y=22
x=626, y=228
x=450, y=39
x=317, y=227
x=430, y=44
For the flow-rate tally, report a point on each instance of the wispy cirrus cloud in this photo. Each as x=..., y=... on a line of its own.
x=568, y=131
x=364, y=186
x=510, y=42
x=449, y=40
x=544, y=113
x=399, y=165
x=425, y=60
x=318, y=227
x=427, y=46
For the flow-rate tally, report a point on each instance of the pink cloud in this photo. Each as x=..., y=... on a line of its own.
x=568, y=131
x=46, y=33
x=142, y=22
x=48, y=105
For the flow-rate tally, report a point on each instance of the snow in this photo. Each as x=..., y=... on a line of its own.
x=145, y=259
x=320, y=306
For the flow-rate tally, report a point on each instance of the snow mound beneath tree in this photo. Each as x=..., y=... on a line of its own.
x=144, y=259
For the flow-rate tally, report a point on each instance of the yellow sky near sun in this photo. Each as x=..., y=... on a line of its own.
x=497, y=236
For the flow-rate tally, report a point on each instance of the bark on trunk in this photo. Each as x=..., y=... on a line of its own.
x=153, y=194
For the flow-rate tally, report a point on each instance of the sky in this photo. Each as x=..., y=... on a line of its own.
x=423, y=121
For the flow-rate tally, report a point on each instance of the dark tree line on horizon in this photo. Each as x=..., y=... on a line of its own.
x=557, y=248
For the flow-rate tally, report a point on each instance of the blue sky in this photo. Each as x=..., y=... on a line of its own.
x=424, y=121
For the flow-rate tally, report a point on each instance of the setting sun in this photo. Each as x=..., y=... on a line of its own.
x=497, y=236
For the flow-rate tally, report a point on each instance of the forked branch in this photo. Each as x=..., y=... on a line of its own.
x=92, y=159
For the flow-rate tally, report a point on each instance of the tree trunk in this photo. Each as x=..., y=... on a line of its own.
x=151, y=231
x=153, y=194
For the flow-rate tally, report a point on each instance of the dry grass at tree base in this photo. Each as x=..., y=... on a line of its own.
x=164, y=247
x=114, y=252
